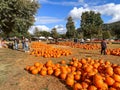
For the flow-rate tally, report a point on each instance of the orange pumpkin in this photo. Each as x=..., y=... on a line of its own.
x=111, y=88
x=116, y=77
x=50, y=72
x=77, y=86
x=32, y=67
x=109, y=80
x=116, y=85
x=57, y=72
x=27, y=68
x=97, y=80
x=109, y=71
x=43, y=72
x=92, y=87
x=70, y=81
x=34, y=71
x=84, y=85
x=63, y=62
x=77, y=77
x=117, y=70
x=37, y=64
x=63, y=76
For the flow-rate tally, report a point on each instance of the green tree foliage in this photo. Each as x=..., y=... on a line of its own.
x=114, y=28
x=16, y=16
x=37, y=32
x=106, y=34
x=62, y=36
x=71, y=32
x=45, y=33
x=54, y=33
x=91, y=23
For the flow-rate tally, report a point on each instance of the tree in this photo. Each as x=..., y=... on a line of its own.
x=45, y=33
x=16, y=16
x=91, y=24
x=54, y=33
x=71, y=32
x=106, y=34
x=62, y=36
x=37, y=32
x=116, y=29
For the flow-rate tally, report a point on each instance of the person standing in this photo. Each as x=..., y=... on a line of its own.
x=26, y=45
x=103, y=47
x=82, y=41
x=16, y=42
x=0, y=43
x=23, y=43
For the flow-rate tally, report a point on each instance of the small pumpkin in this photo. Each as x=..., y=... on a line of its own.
x=77, y=86
x=34, y=71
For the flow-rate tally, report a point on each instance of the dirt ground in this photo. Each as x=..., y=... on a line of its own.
x=14, y=77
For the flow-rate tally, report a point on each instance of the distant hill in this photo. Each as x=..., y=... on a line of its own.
x=111, y=26
x=114, y=28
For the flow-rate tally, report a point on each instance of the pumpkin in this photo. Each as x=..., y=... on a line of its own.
x=47, y=51
x=97, y=80
x=92, y=87
x=70, y=81
x=43, y=72
x=77, y=86
x=50, y=72
x=27, y=68
x=34, y=71
x=77, y=77
x=109, y=71
x=116, y=77
x=63, y=76
x=63, y=62
x=84, y=85
x=116, y=85
x=112, y=88
x=117, y=70
x=109, y=80
x=57, y=72
x=37, y=64
x=31, y=68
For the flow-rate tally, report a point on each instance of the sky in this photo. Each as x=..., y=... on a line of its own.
x=54, y=13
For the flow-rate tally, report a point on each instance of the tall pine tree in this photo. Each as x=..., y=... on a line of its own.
x=71, y=32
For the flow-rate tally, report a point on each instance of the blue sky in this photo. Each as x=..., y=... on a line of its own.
x=53, y=13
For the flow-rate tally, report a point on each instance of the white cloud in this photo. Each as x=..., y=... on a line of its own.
x=60, y=29
x=65, y=3
x=40, y=28
x=110, y=9
x=77, y=12
x=46, y=20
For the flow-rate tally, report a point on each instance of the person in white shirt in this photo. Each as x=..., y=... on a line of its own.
x=26, y=45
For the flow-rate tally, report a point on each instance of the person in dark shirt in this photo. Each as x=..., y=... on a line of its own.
x=103, y=47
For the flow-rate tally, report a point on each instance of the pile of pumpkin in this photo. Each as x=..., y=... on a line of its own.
x=78, y=45
x=83, y=74
x=47, y=51
x=115, y=52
